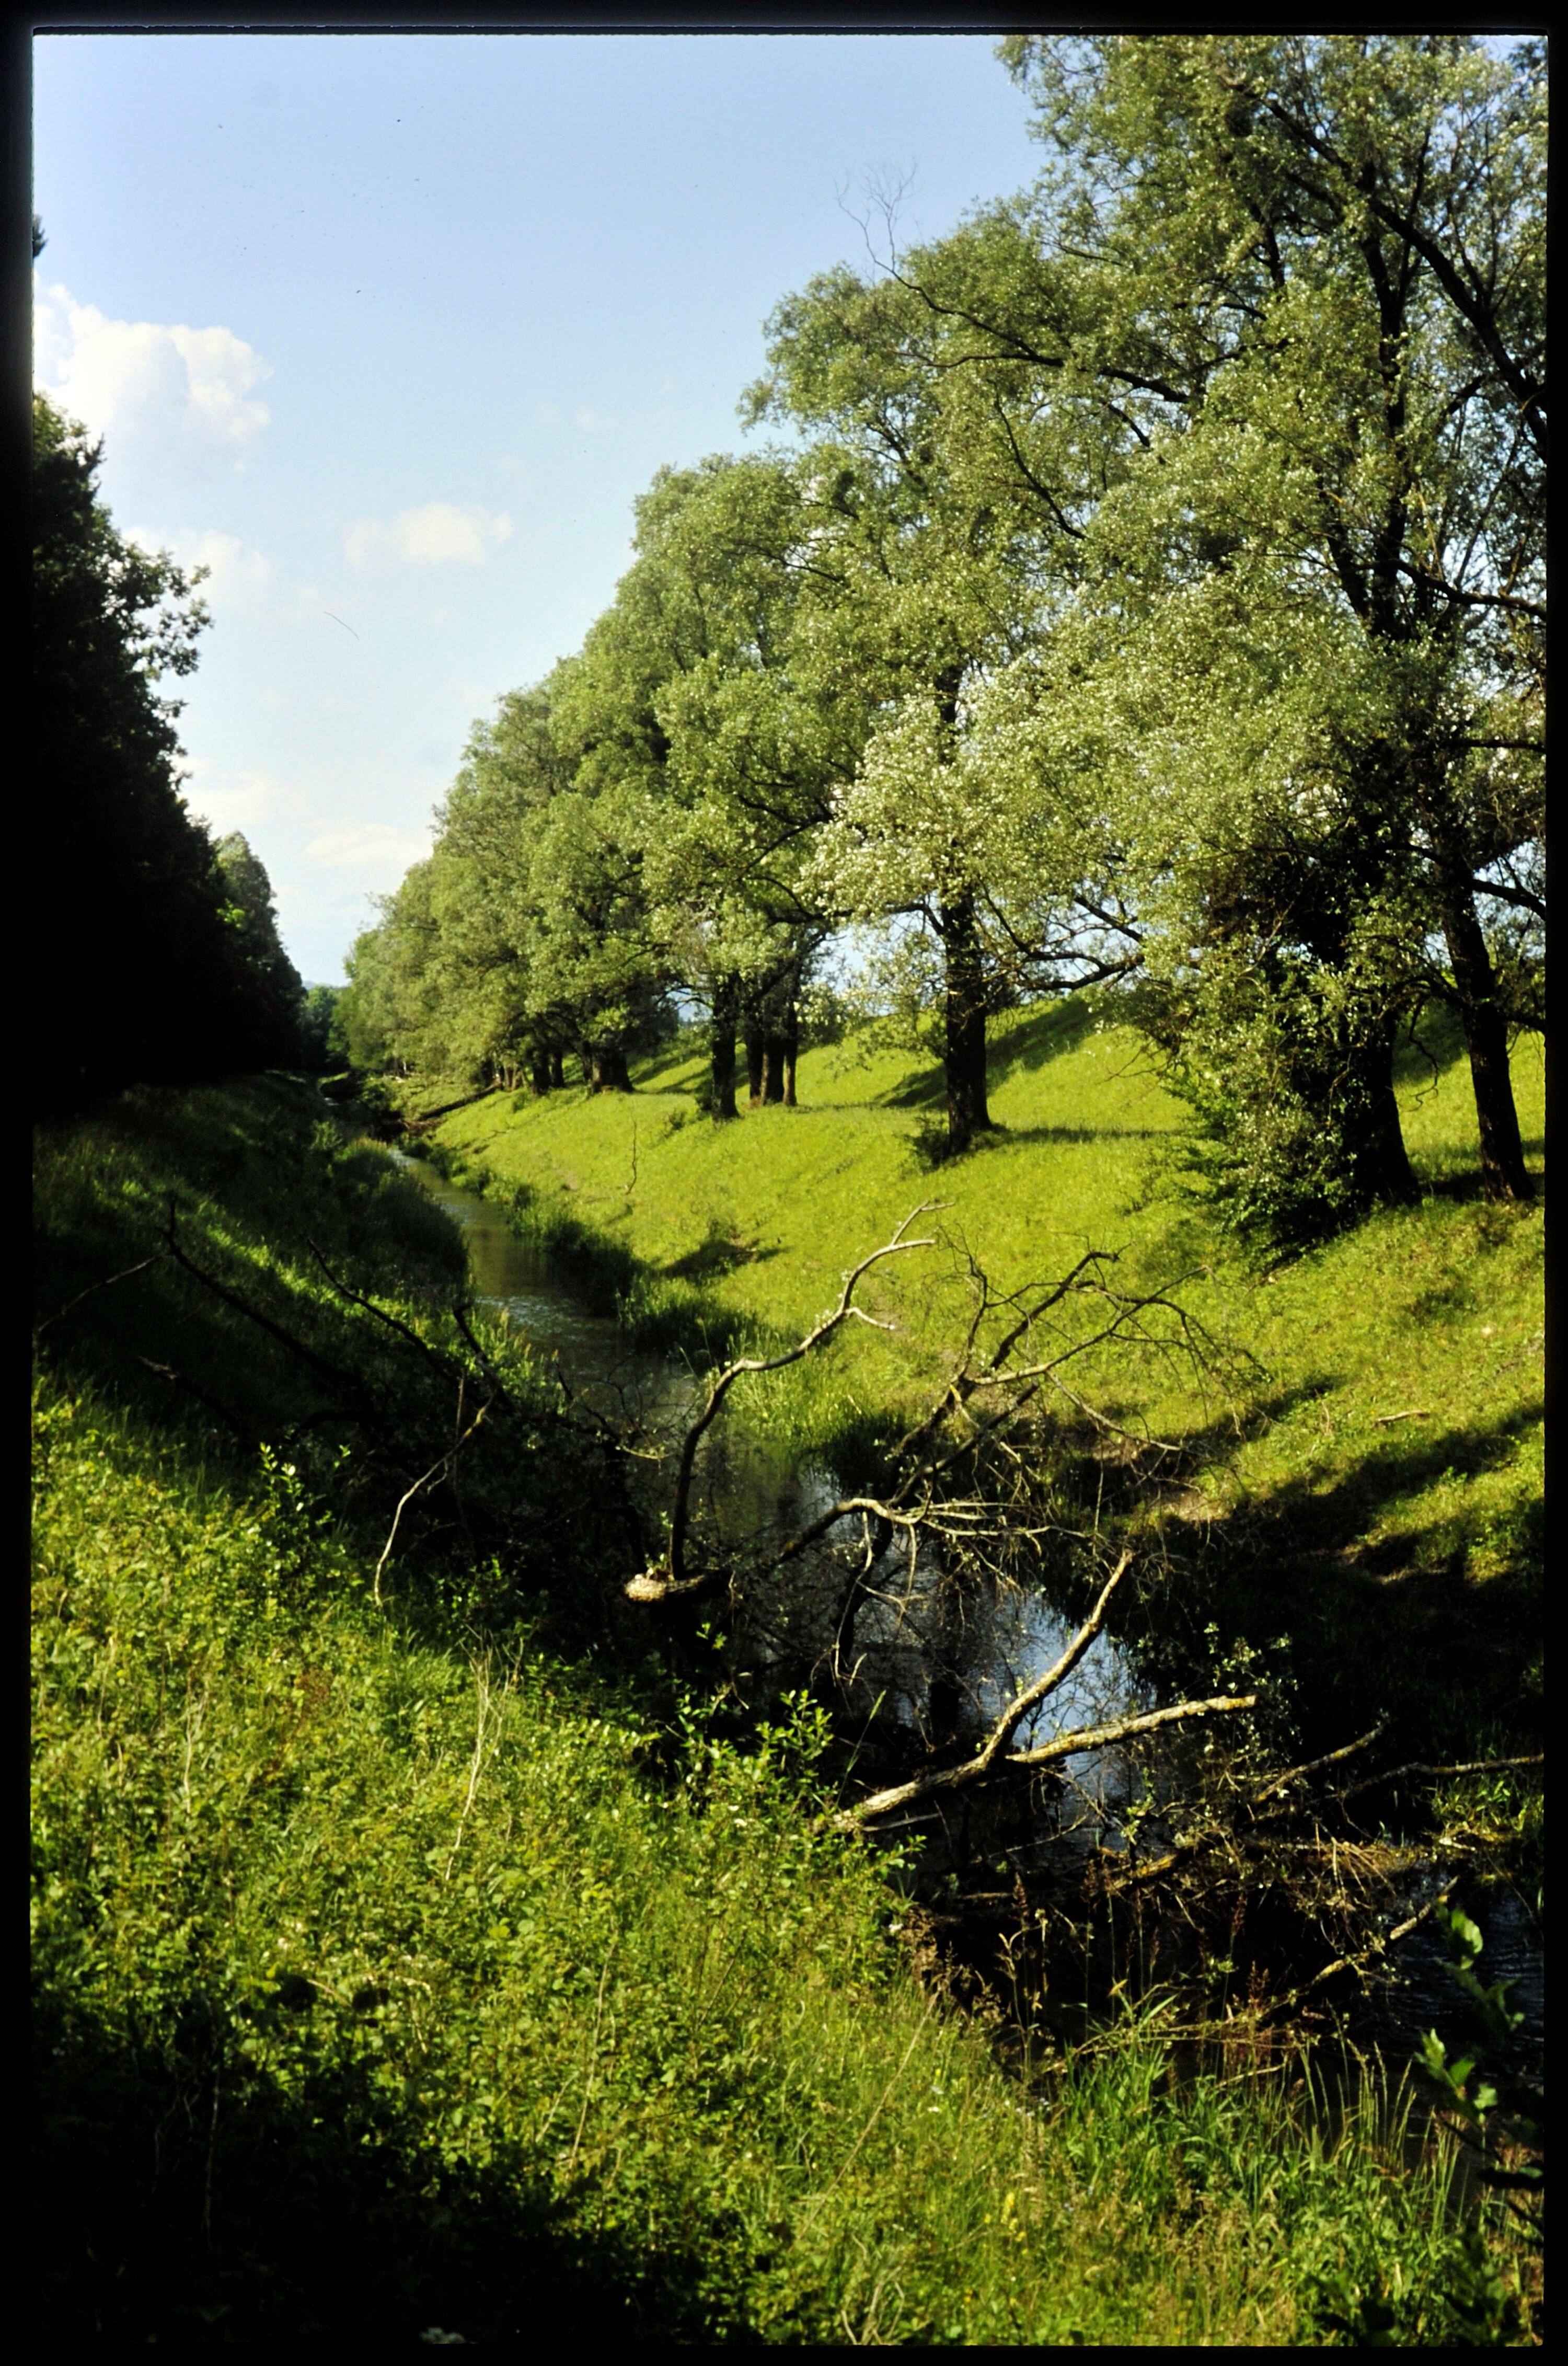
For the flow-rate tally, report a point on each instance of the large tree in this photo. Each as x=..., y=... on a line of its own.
x=153, y=976
x=1315, y=272
x=945, y=513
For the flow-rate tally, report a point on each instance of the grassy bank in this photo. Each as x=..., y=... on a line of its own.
x=394, y=1973
x=1360, y=1458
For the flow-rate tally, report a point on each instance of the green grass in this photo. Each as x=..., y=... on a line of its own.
x=387, y=1984
x=1361, y=1462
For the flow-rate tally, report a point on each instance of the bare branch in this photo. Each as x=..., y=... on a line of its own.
x=93, y=1286
x=436, y=1472
x=1062, y=1745
x=659, y=1585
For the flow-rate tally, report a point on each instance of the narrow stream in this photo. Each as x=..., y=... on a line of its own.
x=750, y=1497
x=909, y=1643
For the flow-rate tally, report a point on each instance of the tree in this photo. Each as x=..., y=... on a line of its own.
x=153, y=982
x=685, y=711
x=1317, y=267
x=321, y=1028
x=931, y=567
x=276, y=994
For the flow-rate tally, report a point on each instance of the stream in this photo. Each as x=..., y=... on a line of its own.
x=942, y=1666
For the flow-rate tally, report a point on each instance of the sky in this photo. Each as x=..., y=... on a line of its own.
x=389, y=333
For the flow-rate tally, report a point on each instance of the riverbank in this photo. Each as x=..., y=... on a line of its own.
x=1358, y=1455
x=395, y=1969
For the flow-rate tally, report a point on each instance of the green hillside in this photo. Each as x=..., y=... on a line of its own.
x=1365, y=1439
x=395, y=1975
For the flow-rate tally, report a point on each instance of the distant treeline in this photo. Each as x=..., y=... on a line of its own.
x=165, y=963
x=1151, y=595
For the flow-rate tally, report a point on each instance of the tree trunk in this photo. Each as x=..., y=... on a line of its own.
x=1503, y=1172
x=791, y=1049
x=607, y=1069
x=965, y=1017
x=772, y=1068
x=754, y=1041
x=539, y=1072
x=1382, y=1163
x=558, y=1070
x=721, y=1041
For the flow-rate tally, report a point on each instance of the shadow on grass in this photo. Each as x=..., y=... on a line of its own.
x=183, y=2195
x=1056, y=1028
x=721, y=1253
x=1395, y=1626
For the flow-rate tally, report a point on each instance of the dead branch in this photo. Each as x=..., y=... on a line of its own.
x=436, y=1471
x=675, y=1580
x=1417, y=1766
x=393, y=1323
x=1062, y=1745
x=94, y=1287
x=296, y=1347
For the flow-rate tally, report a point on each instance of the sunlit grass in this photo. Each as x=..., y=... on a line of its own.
x=388, y=1985
x=1386, y=1386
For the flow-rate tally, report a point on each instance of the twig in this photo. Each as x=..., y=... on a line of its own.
x=405, y=1500
x=481, y=1688
x=592, y=2064
x=107, y=1283
x=661, y=1585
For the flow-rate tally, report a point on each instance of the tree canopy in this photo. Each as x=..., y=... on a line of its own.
x=167, y=962
x=1151, y=595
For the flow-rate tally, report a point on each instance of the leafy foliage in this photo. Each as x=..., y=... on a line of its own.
x=169, y=971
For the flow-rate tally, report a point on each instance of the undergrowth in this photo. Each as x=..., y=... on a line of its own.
x=387, y=1985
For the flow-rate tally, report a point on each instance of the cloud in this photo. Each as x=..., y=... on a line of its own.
x=438, y=534
x=368, y=846
x=235, y=800
x=239, y=579
x=178, y=394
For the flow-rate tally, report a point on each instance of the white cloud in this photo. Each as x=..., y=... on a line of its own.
x=235, y=800
x=438, y=535
x=593, y=420
x=239, y=579
x=181, y=395
x=368, y=846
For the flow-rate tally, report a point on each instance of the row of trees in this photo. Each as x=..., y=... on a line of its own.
x=1151, y=593
x=167, y=964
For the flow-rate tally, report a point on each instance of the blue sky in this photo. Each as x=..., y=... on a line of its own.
x=389, y=333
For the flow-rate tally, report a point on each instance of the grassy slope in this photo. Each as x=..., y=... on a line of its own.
x=1378, y=1423
x=387, y=1982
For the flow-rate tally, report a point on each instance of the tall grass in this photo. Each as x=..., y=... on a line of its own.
x=393, y=1986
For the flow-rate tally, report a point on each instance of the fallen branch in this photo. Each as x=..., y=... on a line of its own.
x=93, y=1286
x=1417, y=1766
x=674, y=1580
x=1062, y=1745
